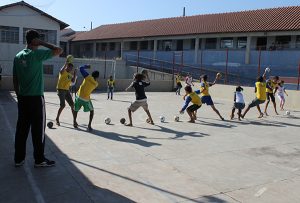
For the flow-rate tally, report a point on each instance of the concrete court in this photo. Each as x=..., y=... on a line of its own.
x=256, y=160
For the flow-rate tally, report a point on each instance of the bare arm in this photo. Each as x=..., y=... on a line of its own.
x=74, y=75
x=56, y=51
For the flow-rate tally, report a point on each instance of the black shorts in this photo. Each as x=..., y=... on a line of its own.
x=179, y=85
x=193, y=107
x=256, y=102
x=239, y=105
x=65, y=95
x=270, y=96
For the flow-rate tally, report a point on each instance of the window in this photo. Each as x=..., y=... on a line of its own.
x=48, y=69
x=179, y=45
x=226, y=43
x=112, y=46
x=133, y=46
x=242, y=42
x=282, y=42
x=49, y=36
x=211, y=43
x=9, y=34
x=144, y=45
x=103, y=46
x=298, y=41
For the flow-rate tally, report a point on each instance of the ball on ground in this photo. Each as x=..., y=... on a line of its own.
x=162, y=119
x=287, y=113
x=107, y=121
x=176, y=118
x=122, y=120
x=50, y=124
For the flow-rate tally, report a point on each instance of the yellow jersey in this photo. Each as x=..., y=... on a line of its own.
x=204, y=88
x=261, y=90
x=64, y=80
x=270, y=86
x=195, y=99
x=86, y=88
x=178, y=79
x=110, y=83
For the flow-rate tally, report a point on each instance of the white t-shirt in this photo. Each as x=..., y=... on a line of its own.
x=239, y=97
x=189, y=80
x=280, y=90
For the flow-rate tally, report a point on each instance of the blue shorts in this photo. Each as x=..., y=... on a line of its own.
x=207, y=100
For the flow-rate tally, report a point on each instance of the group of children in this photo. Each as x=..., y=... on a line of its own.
x=264, y=90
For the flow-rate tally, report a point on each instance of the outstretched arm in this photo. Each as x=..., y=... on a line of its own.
x=56, y=51
x=83, y=71
x=129, y=87
x=186, y=103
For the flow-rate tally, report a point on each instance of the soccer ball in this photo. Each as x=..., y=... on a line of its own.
x=107, y=121
x=268, y=69
x=162, y=119
x=287, y=113
x=122, y=120
x=50, y=124
x=176, y=118
x=219, y=75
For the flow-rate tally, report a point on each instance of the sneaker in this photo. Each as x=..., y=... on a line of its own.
x=45, y=163
x=18, y=164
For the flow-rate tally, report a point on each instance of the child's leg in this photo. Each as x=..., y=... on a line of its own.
x=239, y=114
x=111, y=93
x=149, y=116
x=260, y=113
x=283, y=102
x=216, y=110
x=192, y=120
x=266, y=107
x=246, y=111
x=274, y=104
x=232, y=113
x=130, y=117
x=74, y=121
x=90, y=120
x=108, y=93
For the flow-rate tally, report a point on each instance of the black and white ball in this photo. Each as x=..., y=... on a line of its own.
x=162, y=119
x=176, y=118
x=50, y=124
x=287, y=113
x=107, y=121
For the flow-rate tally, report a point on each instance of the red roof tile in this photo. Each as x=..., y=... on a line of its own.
x=263, y=20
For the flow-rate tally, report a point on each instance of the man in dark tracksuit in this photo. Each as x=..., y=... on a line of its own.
x=29, y=87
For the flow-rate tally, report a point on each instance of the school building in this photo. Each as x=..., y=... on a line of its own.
x=267, y=36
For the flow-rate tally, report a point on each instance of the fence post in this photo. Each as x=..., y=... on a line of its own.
x=181, y=60
x=226, y=67
x=259, y=61
x=201, y=55
x=138, y=61
x=105, y=63
x=298, y=76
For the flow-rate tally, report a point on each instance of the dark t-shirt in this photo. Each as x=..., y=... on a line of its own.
x=139, y=89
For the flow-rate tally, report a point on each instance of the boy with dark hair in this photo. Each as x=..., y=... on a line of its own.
x=192, y=109
x=83, y=99
x=239, y=102
x=139, y=85
x=205, y=96
x=28, y=82
x=66, y=77
x=260, y=91
x=270, y=91
x=110, y=87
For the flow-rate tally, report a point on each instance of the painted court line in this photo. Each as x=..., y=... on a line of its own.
x=37, y=193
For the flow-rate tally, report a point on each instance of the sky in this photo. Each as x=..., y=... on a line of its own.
x=80, y=14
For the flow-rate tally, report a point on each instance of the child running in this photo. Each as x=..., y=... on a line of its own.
x=280, y=93
x=239, y=102
x=83, y=99
x=192, y=109
x=141, y=100
x=178, y=84
x=63, y=89
x=205, y=96
x=110, y=87
x=270, y=90
x=189, y=80
x=260, y=90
